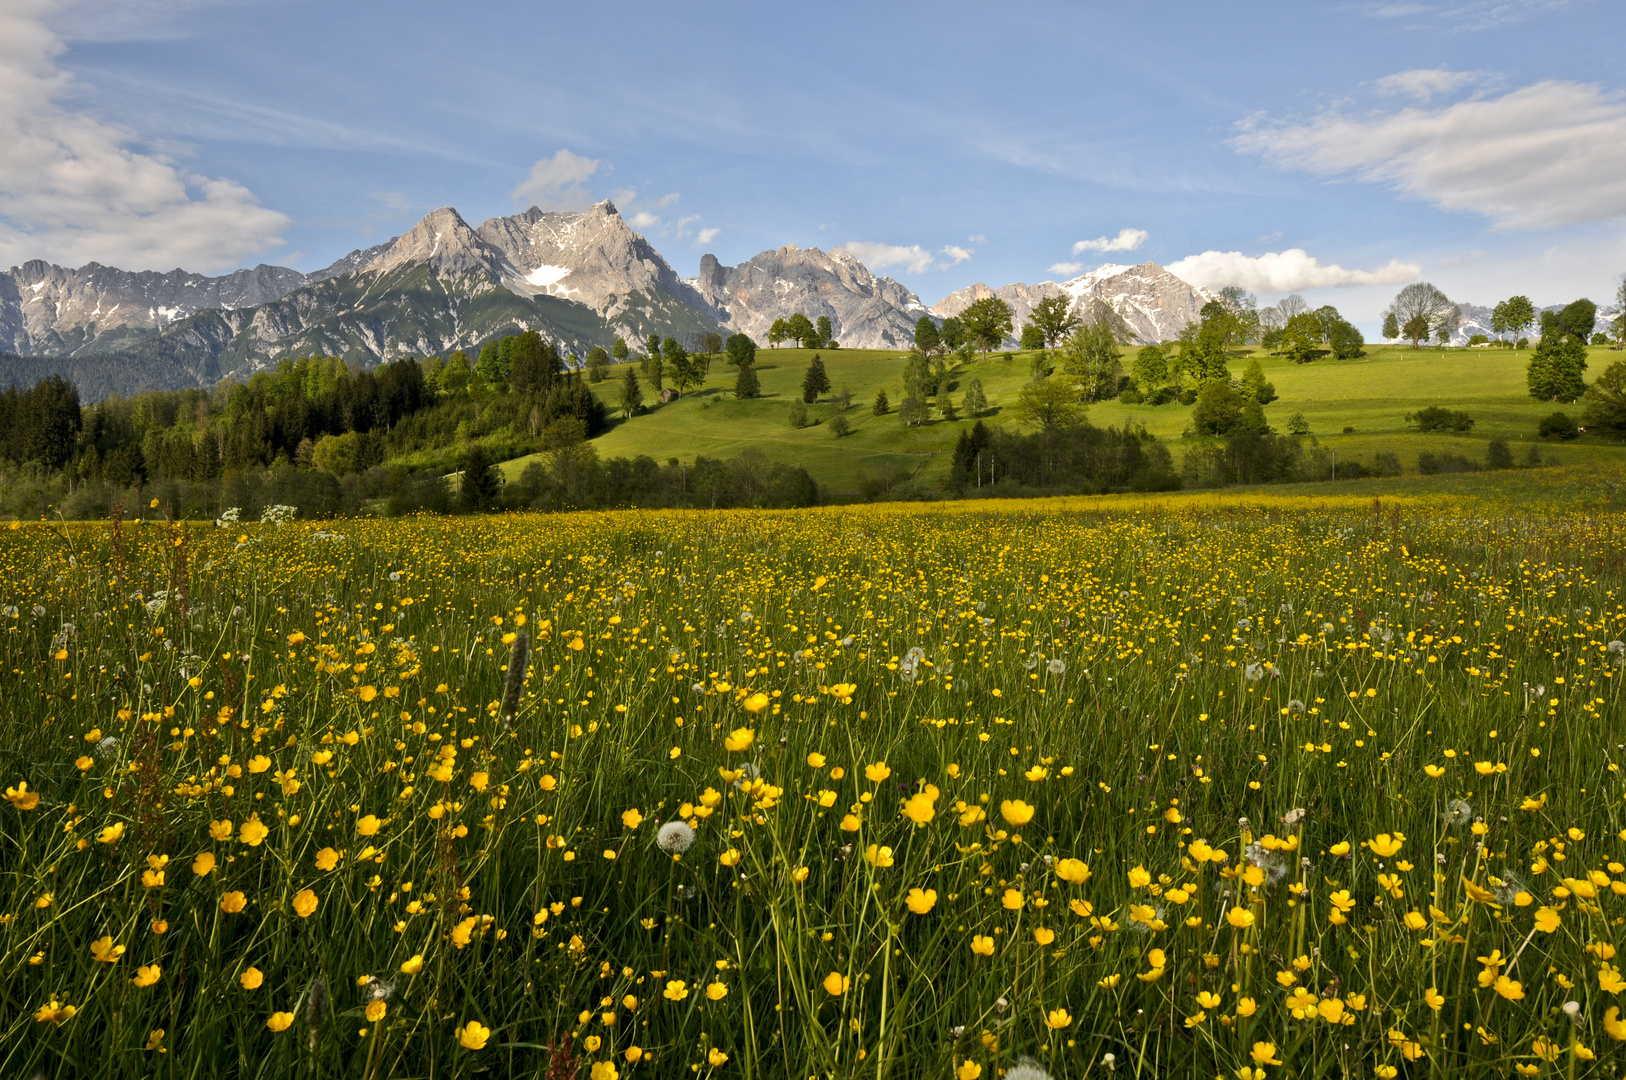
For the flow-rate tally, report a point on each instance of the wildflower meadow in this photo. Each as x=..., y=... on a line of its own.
x=1249, y=791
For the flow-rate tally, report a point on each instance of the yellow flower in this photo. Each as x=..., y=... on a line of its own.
x=731, y=857
x=1208, y=1000
x=920, y=901
x=220, y=830
x=968, y=1070
x=280, y=1021
x=367, y=693
x=473, y=1035
x=1434, y=771
x=85, y=763
x=111, y=834
x=1139, y=878
x=634, y=1054
x=1015, y=811
x=1511, y=989
x=1043, y=935
x=815, y=760
x=716, y=991
x=375, y=1011
x=982, y=945
x=920, y=808
x=1246, y=1006
x=305, y=903
x=104, y=950
x=1109, y=982
x=676, y=990
x=147, y=974
x=835, y=984
x=327, y=859
x=55, y=1012
x=1341, y=848
x=631, y=819
x=258, y=763
x=253, y=831
x=603, y=1070
x=1433, y=998
x=1241, y=918
x=1384, y=845
x=1012, y=900
x=1613, y=1025
x=755, y=704
x=412, y=966
x=1264, y=1053
x=878, y=856
x=251, y=978
x=740, y=739
x=1073, y=871
x=21, y=797
x=203, y=865
x=1414, y=920
x=365, y=826
x=1609, y=980
x=716, y=1058
x=1056, y=1019
x=850, y=823
x=233, y=902
x=1547, y=919
x=479, y=781
x=877, y=772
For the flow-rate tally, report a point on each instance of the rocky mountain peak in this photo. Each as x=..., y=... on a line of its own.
x=443, y=241
x=1153, y=302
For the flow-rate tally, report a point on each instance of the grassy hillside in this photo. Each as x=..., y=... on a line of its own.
x=1371, y=396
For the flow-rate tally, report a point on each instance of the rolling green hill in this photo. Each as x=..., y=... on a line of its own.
x=1371, y=396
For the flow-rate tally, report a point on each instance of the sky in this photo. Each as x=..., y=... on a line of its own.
x=1337, y=150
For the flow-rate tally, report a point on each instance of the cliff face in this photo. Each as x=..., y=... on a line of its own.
x=1155, y=303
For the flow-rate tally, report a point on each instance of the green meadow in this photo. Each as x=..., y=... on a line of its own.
x=1356, y=408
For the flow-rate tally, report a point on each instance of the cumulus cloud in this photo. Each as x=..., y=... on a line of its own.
x=1066, y=269
x=706, y=235
x=643, y=219
x=75, y=189
x=1549, y=154
x=556, y=183
x=1126, y=240
x=914, y=258
x=1282, y=271
x=1423, y=83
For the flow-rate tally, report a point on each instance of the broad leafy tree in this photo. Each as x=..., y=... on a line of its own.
x=741, y=350
x=799, y=328
x=1049, y=404
x=1606, y=401
x=1091, y=359
x=927, y=340
x=987, y=323
x=1421, y=309
x=1055, y=319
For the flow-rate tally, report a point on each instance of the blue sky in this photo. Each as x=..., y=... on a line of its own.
x=1337, y=150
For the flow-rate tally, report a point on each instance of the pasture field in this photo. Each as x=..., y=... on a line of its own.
x=1371, y=395
x=1247, y=787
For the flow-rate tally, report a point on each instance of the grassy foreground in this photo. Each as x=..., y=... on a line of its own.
x=1372, y=396
x=1219, y=787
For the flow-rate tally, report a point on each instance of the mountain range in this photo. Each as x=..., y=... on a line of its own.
x=579, y=278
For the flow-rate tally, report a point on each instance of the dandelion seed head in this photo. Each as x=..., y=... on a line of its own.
x=674, y=838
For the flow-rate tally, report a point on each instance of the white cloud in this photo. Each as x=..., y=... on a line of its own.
x=706, y=236
x=914, y=258
x=665, y=200
x=74, y=188
x=1284, y=271
x=643, y=219
x=555, y=183
x=1067, y=269
x=1126, y=240
x=1463, y=16
x=1549, y=154
x=1423, y=83
x=976, y=238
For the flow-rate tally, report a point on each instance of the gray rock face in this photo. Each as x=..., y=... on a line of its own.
x=50, y=310
x=865, y=311
x=1156, y=304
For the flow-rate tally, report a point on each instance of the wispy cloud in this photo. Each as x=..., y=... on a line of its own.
x=1126, y=240
x=913, y=258
x=558, y=182
x=74, y=188
x=1460, y=16
x=1282, y=271
x=1549, y=154
x=1421, y=84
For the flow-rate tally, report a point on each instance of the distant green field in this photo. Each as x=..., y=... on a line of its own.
x=1372, y=396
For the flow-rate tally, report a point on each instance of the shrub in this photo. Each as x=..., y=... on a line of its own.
x=1386, y=463
x=1498, y=456
x=839, y=426
x=1558, y=424
x=1131, y=396
x=798, y=414
x=1436, y=418
x=1429, y=464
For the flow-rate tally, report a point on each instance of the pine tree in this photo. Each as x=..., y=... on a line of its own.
x=745, y=383
x=815, y=382
x=481, y=482
x=882, y=406
x=632, y=394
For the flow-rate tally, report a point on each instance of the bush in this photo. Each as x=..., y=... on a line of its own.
x=839, y=426
x=1131, y=396
x=1386, y=463
x=1479, y=339
x=1498, y=456
x=1429, y=464
x=1188, y=397
x=1298, y=424
x=1218, y=410
x=798, y=414
x=1163, y=395
x=1435, y=418
x=1558, y=425
x=1600, y=338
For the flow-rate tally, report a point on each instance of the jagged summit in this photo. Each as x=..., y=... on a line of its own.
x=1153, y=302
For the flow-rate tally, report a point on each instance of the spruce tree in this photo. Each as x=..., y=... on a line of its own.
x=882, y=406
x=481, y=482
x=745, y=383
x=632, y=394
x=815, y=381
